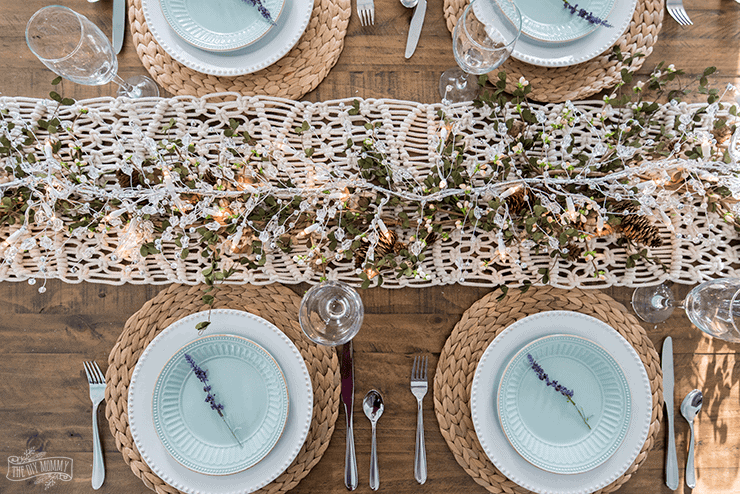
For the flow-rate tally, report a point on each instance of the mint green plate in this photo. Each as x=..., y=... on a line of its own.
x=246, y=380
x=219, y=25
x=550, y=21
x=543, y=426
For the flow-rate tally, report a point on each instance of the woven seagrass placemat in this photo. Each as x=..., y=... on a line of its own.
x=294, y=75
x=557, y=84
x=275, y=303
x=479, y=325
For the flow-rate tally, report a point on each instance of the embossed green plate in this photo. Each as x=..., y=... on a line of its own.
x=543, y=426
x=220, y=25
x=550, y=21
x=250, y=385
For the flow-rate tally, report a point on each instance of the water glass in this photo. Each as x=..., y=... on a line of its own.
x=331, y=313
x=73, y=47
x=714, y=307
x=483, y=38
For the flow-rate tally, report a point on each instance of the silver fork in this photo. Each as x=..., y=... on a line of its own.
x=96, y=380
x=366, y=12
x=419, y=389
x=676, y=10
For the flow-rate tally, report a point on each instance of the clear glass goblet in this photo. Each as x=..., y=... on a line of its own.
x=483, y=38
x=713, y=306
x=331, y=313
x=73, y=47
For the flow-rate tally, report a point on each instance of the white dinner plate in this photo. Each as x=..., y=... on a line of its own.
x=483, y=402
x=262, y=53
x=546, y=54
x=161, y=350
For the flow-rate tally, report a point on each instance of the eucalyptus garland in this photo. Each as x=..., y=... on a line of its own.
x=537, y=183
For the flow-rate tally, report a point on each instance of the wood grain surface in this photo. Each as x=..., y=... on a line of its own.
x=44, y=338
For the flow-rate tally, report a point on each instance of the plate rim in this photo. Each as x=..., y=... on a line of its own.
x=299, y=385
x=530, y=477
x=284, y=396
x=236, y=62
x=624, y=426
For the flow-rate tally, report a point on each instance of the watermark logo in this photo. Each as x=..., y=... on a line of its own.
x=35, y=464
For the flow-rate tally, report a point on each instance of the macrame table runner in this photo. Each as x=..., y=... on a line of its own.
x=275, y=303
x=479, y=325
x=556, y=84
x=294, y=75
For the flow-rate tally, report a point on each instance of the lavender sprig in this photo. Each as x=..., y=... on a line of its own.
x=262, y=10
x=585, y=14
x=210, y=397
x=568, y=393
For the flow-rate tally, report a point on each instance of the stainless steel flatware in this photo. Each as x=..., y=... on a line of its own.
x=671, y=461
x=96, y=380
x=347, y=371
x=119, y=24
x=366, y=12
x=419, y=389
x=690, y=407
x=676, y=10
x=373, y=407
x=417, y=21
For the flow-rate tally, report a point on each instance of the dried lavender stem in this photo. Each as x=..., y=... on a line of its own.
x=558, y=387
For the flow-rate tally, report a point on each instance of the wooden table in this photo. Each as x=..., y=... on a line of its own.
x=44, y=338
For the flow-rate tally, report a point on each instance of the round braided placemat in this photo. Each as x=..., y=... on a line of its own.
x=294, y=75
x=576, y=82
x=275, y=303
x=479, y=325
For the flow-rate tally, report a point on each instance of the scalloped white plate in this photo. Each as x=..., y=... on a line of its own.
x=264, y=52
x=153, y=360
x=545, y=54
x=484, y=408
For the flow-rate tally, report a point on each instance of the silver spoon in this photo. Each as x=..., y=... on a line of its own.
x=689, y=409
x=372, y=404
x=409, y=4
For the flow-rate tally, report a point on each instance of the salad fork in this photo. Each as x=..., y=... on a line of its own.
x=419, y=389
x=366, y=11
x=96, y=380
x=676, y=10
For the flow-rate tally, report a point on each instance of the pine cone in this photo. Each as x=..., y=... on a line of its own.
x=387, y=244
x=516, y=201
x=517, y=127
x=132, y=180
x=622, y=206
x=721, y=134
x=640, y=230
x=574, y=252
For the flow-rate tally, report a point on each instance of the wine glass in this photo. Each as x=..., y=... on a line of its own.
x=713, y=306
x=331, y=313
x=483, y=38
x=73, y=47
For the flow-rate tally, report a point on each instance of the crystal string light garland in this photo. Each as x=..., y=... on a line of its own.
x=274, y=190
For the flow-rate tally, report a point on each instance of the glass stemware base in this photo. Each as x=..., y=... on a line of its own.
x=138, y=86
x=653, y=304
x=456, y=85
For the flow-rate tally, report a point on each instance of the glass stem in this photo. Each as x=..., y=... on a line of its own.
x=661, y=302
x=131, y=91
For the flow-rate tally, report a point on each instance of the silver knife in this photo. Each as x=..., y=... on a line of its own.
x=119, y=20
x=415, y=28
x=671, y=461
x=347, y=371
